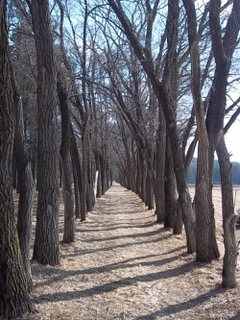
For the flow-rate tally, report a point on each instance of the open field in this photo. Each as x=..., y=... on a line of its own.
x=217, y=201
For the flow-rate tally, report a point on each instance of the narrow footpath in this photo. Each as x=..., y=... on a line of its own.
x=125, y=266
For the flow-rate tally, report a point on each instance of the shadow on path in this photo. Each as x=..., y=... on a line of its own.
x=183, y=306
x=125, y=261
x=69, y=295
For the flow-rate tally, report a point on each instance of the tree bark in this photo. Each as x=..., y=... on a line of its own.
x=160, y=169
x=69, y=222
x=229, y=218
x=14, y=297
x=76, y=159
x=223, y=48
x=171, y=217
x=26, y=188
x=144, y=178
x=138, y=176
x=98, y=168
x=46, y=246
x=178, y=223
x=149, y=190
x=90, y=181
x=206, y=243
x=76, y=189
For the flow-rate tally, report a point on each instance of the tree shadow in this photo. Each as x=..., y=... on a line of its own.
x=116, y=222
x=133, y=235
x=112, y=247
x=56, y=274
x=183, y=306
x=112, y=286
x=236, y=317
x=116, y=227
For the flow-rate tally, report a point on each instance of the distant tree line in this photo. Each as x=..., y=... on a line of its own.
x=192, y=173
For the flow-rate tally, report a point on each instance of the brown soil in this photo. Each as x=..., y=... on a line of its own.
x=125, y=266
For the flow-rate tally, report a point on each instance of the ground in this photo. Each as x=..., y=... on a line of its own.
x=125, y=266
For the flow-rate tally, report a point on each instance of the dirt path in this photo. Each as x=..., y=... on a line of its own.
x=124, y=266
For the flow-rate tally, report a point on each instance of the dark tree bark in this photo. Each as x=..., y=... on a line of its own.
x=90, y=180
x=14, y=172
x=46, y=246
x=69, y=223
x=149, y=190
x=104, y=177
x=144, y=178
x=14, y=298
x=223, y=49
x=98, y=168
x=178, y=223
x=206, y=243
x=138, y=176
x=160, y=169
x=76, y=162
x=26, y=187
x=171, y=219
x=84, y=185
x=76, y=189
x=229, y=218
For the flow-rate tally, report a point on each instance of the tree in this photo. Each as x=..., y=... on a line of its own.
x=25, y=184
x=166, y=101
x=46, y=246
x=206, y=243
x=223, y=49
x=69, y=223
x=14, y=298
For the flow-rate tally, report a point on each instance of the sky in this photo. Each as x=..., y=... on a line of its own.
x=232, y=139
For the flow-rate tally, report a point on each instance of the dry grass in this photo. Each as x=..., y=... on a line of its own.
x=125, y=266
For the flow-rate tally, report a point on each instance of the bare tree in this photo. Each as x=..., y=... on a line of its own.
x=25, y=184
x=223, y=49
x=46, y=246
x=206, y=243
x=165, y=98
x=69, y=223
x=14, y=298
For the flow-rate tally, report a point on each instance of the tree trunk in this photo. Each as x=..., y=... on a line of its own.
x=104, y=173
x=14, y=297
x=206, y=243
x=90, y=180
x=144, y=177
x=69, y=222
x=138, y=176
x=178, y=223
x=14, y=173
x=170, y=191
x=98, y=168
x=160, y=169
x=76, y=190
x=84, y=184
x=229, y=218
x=46, y=246
x=26, y=187
x=76, y=159
x=223, y=48
x=149, y=190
